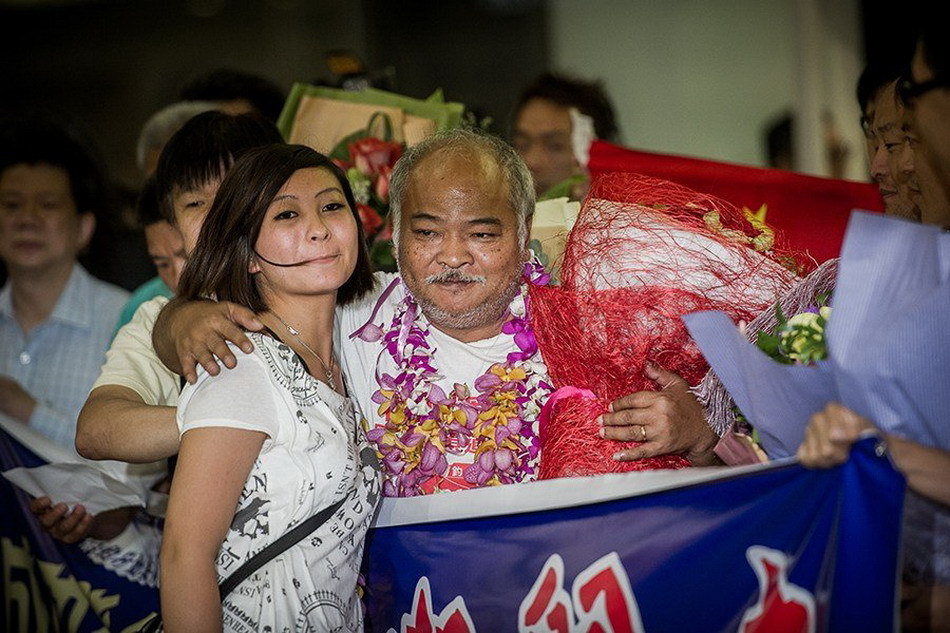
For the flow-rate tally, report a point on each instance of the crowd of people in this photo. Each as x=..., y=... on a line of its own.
x=269, y=365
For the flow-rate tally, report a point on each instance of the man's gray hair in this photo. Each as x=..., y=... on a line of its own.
x=521, y=195
x=162, y=125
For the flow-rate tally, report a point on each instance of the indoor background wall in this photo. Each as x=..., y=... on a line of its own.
x=696, y=77
x=111, y=64
x=707, y=78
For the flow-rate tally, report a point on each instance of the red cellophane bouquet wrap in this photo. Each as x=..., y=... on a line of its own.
x=642, y=253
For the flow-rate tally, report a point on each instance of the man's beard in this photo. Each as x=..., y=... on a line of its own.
x=482, y=314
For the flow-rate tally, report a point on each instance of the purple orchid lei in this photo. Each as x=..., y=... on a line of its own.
x=422, y=421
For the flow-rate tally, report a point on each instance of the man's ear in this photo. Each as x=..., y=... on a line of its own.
x=87, y=226
x=527, y=234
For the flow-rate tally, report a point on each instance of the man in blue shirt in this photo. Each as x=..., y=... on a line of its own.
x=55, y=318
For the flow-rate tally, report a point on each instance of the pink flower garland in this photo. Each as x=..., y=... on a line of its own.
x=423, y=421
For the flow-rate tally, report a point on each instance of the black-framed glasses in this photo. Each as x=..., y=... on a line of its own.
x=908, y=89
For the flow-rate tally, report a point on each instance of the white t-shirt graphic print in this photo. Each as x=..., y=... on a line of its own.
x=314, y=455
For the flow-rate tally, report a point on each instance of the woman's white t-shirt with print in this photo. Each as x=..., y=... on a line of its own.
x=314, y=456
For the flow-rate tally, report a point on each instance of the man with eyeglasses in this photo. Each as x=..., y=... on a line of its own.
x=927, y=93
x=925, y=600
x=881, y=116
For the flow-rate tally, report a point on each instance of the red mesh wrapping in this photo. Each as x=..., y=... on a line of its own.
x=639, y=257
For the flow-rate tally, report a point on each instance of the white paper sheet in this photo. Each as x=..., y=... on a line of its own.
x=73, y=483
x=98, y=480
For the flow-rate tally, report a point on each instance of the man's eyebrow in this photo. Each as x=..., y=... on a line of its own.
x=887, y=127
x=489, y=220
x=421, y=215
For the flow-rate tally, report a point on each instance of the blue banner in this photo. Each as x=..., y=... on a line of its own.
x=770, y=548
x=50, y=586
x=774, y=547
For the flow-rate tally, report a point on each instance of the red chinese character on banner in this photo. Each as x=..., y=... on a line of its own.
x=454, y=618
x=782, y=607
x=601, y=600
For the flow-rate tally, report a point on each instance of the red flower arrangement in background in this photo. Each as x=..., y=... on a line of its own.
x=369, y=167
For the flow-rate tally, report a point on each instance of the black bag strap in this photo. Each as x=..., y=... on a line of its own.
x=276, y=548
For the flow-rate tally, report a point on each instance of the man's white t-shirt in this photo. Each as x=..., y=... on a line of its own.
x=456, y=361
x=132, y=362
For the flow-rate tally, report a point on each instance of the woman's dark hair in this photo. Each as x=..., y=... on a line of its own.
x=204, y=149
x=225, y=249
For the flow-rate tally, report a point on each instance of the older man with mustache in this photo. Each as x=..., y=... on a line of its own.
x=430, y=351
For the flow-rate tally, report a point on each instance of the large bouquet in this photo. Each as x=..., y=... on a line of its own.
x=799, y=339
x=365, y=133
x=642, y=253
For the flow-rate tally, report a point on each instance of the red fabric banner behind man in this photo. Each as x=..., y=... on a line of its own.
x=810, y=213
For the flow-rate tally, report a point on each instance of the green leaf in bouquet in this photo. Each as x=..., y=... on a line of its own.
x=360, y=184
x=538, y=250
x=342, y=149
x=563, y=189
x=779, y=316
x=770, y=344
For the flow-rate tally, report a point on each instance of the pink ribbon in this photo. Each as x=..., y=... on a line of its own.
x=560, y=394
x=379, y=303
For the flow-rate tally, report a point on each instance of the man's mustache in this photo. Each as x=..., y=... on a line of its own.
x=451, y=275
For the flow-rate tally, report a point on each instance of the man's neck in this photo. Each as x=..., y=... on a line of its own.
x=470, y=335
x=478, y=332
x=34, y=293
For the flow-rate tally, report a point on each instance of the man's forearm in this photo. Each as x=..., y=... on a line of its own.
x=162, y=339
x=703, y=450
x=116, y=424
x=927, y=469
